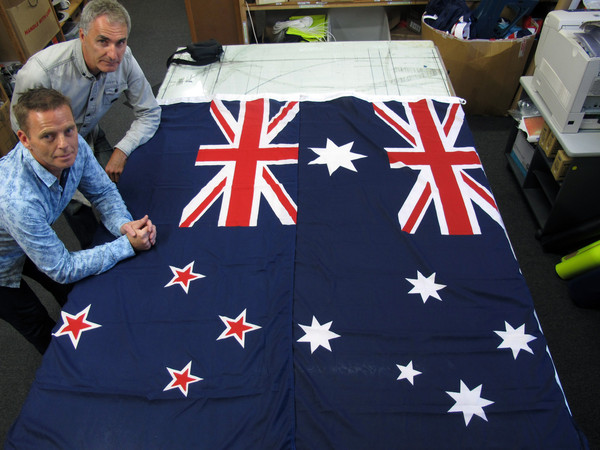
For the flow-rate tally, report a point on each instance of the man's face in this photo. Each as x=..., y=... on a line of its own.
x=51, y=138
x=104, y=45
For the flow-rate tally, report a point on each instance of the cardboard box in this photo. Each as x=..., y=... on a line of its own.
x=561, y=165
x=8, y=139
x=484, y=72
x=548, y=142
x=34, y=23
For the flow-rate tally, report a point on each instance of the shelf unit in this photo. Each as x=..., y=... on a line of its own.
x=73, y=9
x=232, y=28
x=72, y=12
x=567, y=211
x=246, y=8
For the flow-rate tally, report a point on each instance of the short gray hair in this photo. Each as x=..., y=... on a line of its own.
x=113, y=10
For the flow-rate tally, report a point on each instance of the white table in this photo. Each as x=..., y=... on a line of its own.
x=385, y=68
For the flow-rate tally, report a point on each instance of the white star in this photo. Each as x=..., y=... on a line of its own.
x=426, y=287
x=336, y=157
x=183, y=277
x=515, y=339
x=408, y=373
x=469, y=402
x=75, y=325
x=181, y=379
x=318, y=335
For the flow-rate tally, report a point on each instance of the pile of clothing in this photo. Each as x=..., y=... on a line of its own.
x=484, y=22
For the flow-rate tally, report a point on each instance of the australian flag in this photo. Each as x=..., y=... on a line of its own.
x=327, y=275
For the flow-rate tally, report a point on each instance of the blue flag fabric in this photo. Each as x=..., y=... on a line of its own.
x=327, y=275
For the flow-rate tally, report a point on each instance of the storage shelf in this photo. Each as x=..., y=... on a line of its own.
x=567, y=211
x=325, y=4
x=68, y=13
x=548, y=184
x=538, y=202
x=515, y=170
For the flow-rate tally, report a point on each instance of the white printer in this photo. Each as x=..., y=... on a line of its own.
x=567, y=73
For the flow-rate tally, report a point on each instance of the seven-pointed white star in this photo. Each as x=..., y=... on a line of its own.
x=515, y=339
x=318, y=335
x=469, y=402
x=182, y=379
x=336, y=156
x=183, y=277
x=74, y=325
x=408, y=373
x=425, y=286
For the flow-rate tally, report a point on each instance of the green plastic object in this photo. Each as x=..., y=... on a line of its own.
x=581, y=261
x=316, y=32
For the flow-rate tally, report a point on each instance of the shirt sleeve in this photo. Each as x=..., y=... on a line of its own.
x=38, y=240
x=102, y=192
x=145, y=108
x=29, y=76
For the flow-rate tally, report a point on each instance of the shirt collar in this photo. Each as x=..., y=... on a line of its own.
x=80, y=61
x=47, y=178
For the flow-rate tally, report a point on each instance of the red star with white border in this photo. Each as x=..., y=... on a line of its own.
x=184, y=277
x=75, y=325
x=237, y=328
x=182, y=379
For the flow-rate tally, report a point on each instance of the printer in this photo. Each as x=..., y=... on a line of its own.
x=567, y=69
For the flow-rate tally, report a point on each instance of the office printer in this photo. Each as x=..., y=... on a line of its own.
x=567, y=73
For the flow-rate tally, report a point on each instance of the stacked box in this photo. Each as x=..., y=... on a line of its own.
x=562, y=163
x=548, y=142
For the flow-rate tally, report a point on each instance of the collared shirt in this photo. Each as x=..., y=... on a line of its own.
x=31, y=199
x=62, y=67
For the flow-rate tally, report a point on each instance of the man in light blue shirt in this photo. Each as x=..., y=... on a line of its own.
x=37, y=180
x=94, y=71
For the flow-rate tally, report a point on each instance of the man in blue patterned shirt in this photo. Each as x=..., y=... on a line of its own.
x=37, y=180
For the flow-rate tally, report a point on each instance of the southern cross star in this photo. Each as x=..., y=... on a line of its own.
x=74, y=325
x=469, y=402
x=181, y=379
x=515, y=339
x=183, y=277
x=408, y=373
x=425, y=286
x=318, y=335
x=237, y=328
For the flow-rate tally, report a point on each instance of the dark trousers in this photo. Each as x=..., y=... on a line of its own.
x=22, y=309
x=80, y=217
